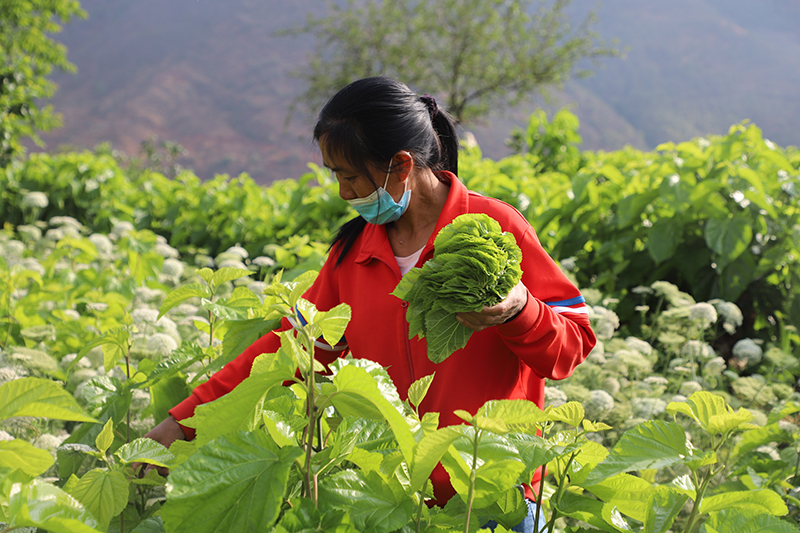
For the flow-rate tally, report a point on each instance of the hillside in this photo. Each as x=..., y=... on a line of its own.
x=213, y=78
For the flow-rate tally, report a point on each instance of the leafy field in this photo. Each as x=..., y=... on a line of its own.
x=122, y=290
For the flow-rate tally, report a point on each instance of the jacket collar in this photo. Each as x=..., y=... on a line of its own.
x=375, y=242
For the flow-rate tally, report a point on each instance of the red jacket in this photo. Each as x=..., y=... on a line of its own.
x=510, y=361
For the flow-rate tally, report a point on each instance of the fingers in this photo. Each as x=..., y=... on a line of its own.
x=497, y=314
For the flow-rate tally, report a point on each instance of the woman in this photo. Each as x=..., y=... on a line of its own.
x=395, y=157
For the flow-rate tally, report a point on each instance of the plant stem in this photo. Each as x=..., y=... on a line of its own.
x=541, y=487
x=128, y=413
x=539, y=502
x=562, y=486
x=699, y=498
x=311, y=414
x=472, y=478
x=421, y=504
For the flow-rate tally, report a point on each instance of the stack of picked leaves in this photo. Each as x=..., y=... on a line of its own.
x=474, y=264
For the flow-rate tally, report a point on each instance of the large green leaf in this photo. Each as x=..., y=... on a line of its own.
x=536, y=452
x=428, y=452
x=145, y=451
x=18, y=454
x=419, y=389
x=663, y=507
x=183, y=293
x=728, y=237
x=372, y=503
x=109, y=399
x=234, y=484
x=150, y=525
x=239, y=409
x=239, y=334
x=226, y=274
x=40, y=398
x=571, y=412
x=39, y=504
x=754, y=438
x=304, y=517
x=517, y=415
x=762, y=500
x=445, y=334
x=583, y=508
x=352, y=381
x=746, y=521
x=629, y=493
x=652, y=444
x=498, y=467
x=333, y=323
x=612, y=515
x=711, y=412
x=105, y=438
x=104, y=493
x=165, y=394
x=663, y=239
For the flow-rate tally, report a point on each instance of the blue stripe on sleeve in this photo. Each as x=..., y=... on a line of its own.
x=567, y=303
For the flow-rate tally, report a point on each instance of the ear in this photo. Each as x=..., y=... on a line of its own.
x=403, y=164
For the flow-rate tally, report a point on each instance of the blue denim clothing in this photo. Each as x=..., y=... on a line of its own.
x=526, y=526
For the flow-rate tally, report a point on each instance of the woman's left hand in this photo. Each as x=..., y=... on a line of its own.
x=497, y=314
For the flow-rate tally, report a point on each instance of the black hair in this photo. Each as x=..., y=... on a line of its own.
x=372, y=119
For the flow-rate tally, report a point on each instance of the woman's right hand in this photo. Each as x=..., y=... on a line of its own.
x=164, y=433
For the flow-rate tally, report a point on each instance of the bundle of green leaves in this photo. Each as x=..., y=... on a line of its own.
x=475, y=264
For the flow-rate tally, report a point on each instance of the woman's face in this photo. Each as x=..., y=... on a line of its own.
x=352, y=182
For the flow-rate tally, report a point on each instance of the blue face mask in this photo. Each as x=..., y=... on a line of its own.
x=379, y=207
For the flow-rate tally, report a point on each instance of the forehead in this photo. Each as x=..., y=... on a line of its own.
x=332, y=159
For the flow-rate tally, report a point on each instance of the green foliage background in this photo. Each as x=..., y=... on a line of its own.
x=717, y=216
x=122, y=289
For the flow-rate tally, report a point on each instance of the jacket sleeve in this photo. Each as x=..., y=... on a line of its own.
x=227, y=378
x=552, y=334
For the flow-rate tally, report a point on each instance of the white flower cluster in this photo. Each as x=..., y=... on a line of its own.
x=598, y=405
x=14, y=249
x=714, y=367
x=148, y=295
x=29, y=232
x=643, y=347
x=611, y=385
x=703, y=314
x=35, y=200
x=173, y=268
x=647, y=408
x=597, y=354
x=747, y=350
x=689, y=387
x=60, y=221
x=105, y=248
x=165, y=250
x=121, y=229
x=697, y=350
x=263, y=261
x=554, y=397
x=604, y=322
x=238, y=251
x=232, y=263
x=161, y=344
x=672, y=294
x=631, y=361
x=730, y=313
